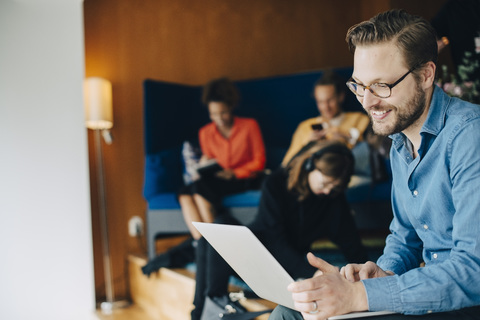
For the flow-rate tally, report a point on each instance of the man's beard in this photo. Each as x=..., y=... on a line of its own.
x=406, y=115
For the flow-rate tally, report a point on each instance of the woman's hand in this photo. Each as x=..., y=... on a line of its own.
x=203, y=159
x=356, y=272
x=226, y=174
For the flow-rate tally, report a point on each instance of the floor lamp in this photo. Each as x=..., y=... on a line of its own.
x=99, y=118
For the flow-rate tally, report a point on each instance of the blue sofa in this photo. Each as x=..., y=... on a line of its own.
x=173, y=113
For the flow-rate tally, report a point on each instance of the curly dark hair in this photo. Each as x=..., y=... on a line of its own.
x=221, y=90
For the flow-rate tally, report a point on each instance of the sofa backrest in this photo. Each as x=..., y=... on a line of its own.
x=173, y=113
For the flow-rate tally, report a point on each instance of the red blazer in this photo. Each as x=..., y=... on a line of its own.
x=243, y=151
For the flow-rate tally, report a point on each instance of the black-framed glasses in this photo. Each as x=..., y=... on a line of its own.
x=381, y=90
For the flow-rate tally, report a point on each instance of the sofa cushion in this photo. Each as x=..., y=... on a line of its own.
x=274, y=156
x=163, y=201
x=169, y=200
x=163, y=172
x=244, y=199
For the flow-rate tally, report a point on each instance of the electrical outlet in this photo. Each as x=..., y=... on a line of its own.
x=135, y=226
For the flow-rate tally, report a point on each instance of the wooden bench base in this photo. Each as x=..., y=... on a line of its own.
x=168, y=293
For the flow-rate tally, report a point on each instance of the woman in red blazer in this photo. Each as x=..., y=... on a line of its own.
x=237, y=146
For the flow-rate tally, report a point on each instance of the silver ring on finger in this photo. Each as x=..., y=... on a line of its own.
x=315, y=308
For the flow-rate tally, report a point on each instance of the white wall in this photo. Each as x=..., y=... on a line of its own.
x=46, y=260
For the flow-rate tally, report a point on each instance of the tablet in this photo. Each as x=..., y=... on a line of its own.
x=249, y=258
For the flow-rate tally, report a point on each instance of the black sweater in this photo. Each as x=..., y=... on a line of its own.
x=288, y=227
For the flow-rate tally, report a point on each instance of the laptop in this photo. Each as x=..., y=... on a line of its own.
x=257, y=267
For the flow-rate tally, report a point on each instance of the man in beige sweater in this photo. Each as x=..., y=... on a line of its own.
x=332, y=123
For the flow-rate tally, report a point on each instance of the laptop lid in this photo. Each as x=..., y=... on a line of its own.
x=242, y=250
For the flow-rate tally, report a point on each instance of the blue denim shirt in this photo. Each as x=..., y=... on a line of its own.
x=436, y=205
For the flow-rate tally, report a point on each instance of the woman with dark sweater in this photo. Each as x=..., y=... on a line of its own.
x=300, y=203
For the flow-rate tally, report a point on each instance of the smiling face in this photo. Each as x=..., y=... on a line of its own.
x=328, y=101
x=406, y=108
x=220, y=114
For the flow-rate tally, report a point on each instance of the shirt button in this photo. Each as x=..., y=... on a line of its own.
x=425, y=227
x=435, y=256
x=415, y=193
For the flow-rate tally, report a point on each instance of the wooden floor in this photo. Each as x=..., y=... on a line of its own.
x=132, y=312
x=166, y=295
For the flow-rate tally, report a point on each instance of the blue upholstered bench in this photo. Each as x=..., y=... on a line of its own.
x=173, y=114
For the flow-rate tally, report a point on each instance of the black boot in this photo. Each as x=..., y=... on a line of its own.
x=176, y=257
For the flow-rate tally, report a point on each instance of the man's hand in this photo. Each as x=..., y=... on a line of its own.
x=330, y=293
x=334, y=133
x=317, y=135
x=330, y=133
x=356, y=272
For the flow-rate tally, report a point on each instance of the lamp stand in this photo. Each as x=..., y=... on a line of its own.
x=108, y=305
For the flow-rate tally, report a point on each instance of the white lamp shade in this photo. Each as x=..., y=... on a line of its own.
x=98, y=103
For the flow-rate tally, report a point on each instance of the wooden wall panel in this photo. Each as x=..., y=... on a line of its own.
x=191, y=42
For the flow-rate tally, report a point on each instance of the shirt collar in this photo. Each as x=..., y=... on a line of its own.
x=436, y=116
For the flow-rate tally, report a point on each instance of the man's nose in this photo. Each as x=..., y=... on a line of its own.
x=369, y=100
x=322, y=105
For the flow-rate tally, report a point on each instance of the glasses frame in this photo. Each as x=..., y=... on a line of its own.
x=390, y=86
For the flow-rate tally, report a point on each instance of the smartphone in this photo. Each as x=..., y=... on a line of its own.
x=317, y=126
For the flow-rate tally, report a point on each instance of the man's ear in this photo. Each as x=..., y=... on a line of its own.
x=428, y=75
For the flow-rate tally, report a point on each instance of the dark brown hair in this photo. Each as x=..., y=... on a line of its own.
x=413, y=35
x=330, y=78
x=332, y=164
x=221, y=90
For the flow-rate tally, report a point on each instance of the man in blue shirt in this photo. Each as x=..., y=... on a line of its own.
x=435, y=159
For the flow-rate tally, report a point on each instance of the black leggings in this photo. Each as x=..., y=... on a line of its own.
x=213, y=272
x=215, y=189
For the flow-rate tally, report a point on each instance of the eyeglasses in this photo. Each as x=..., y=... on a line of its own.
x=381, y=90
